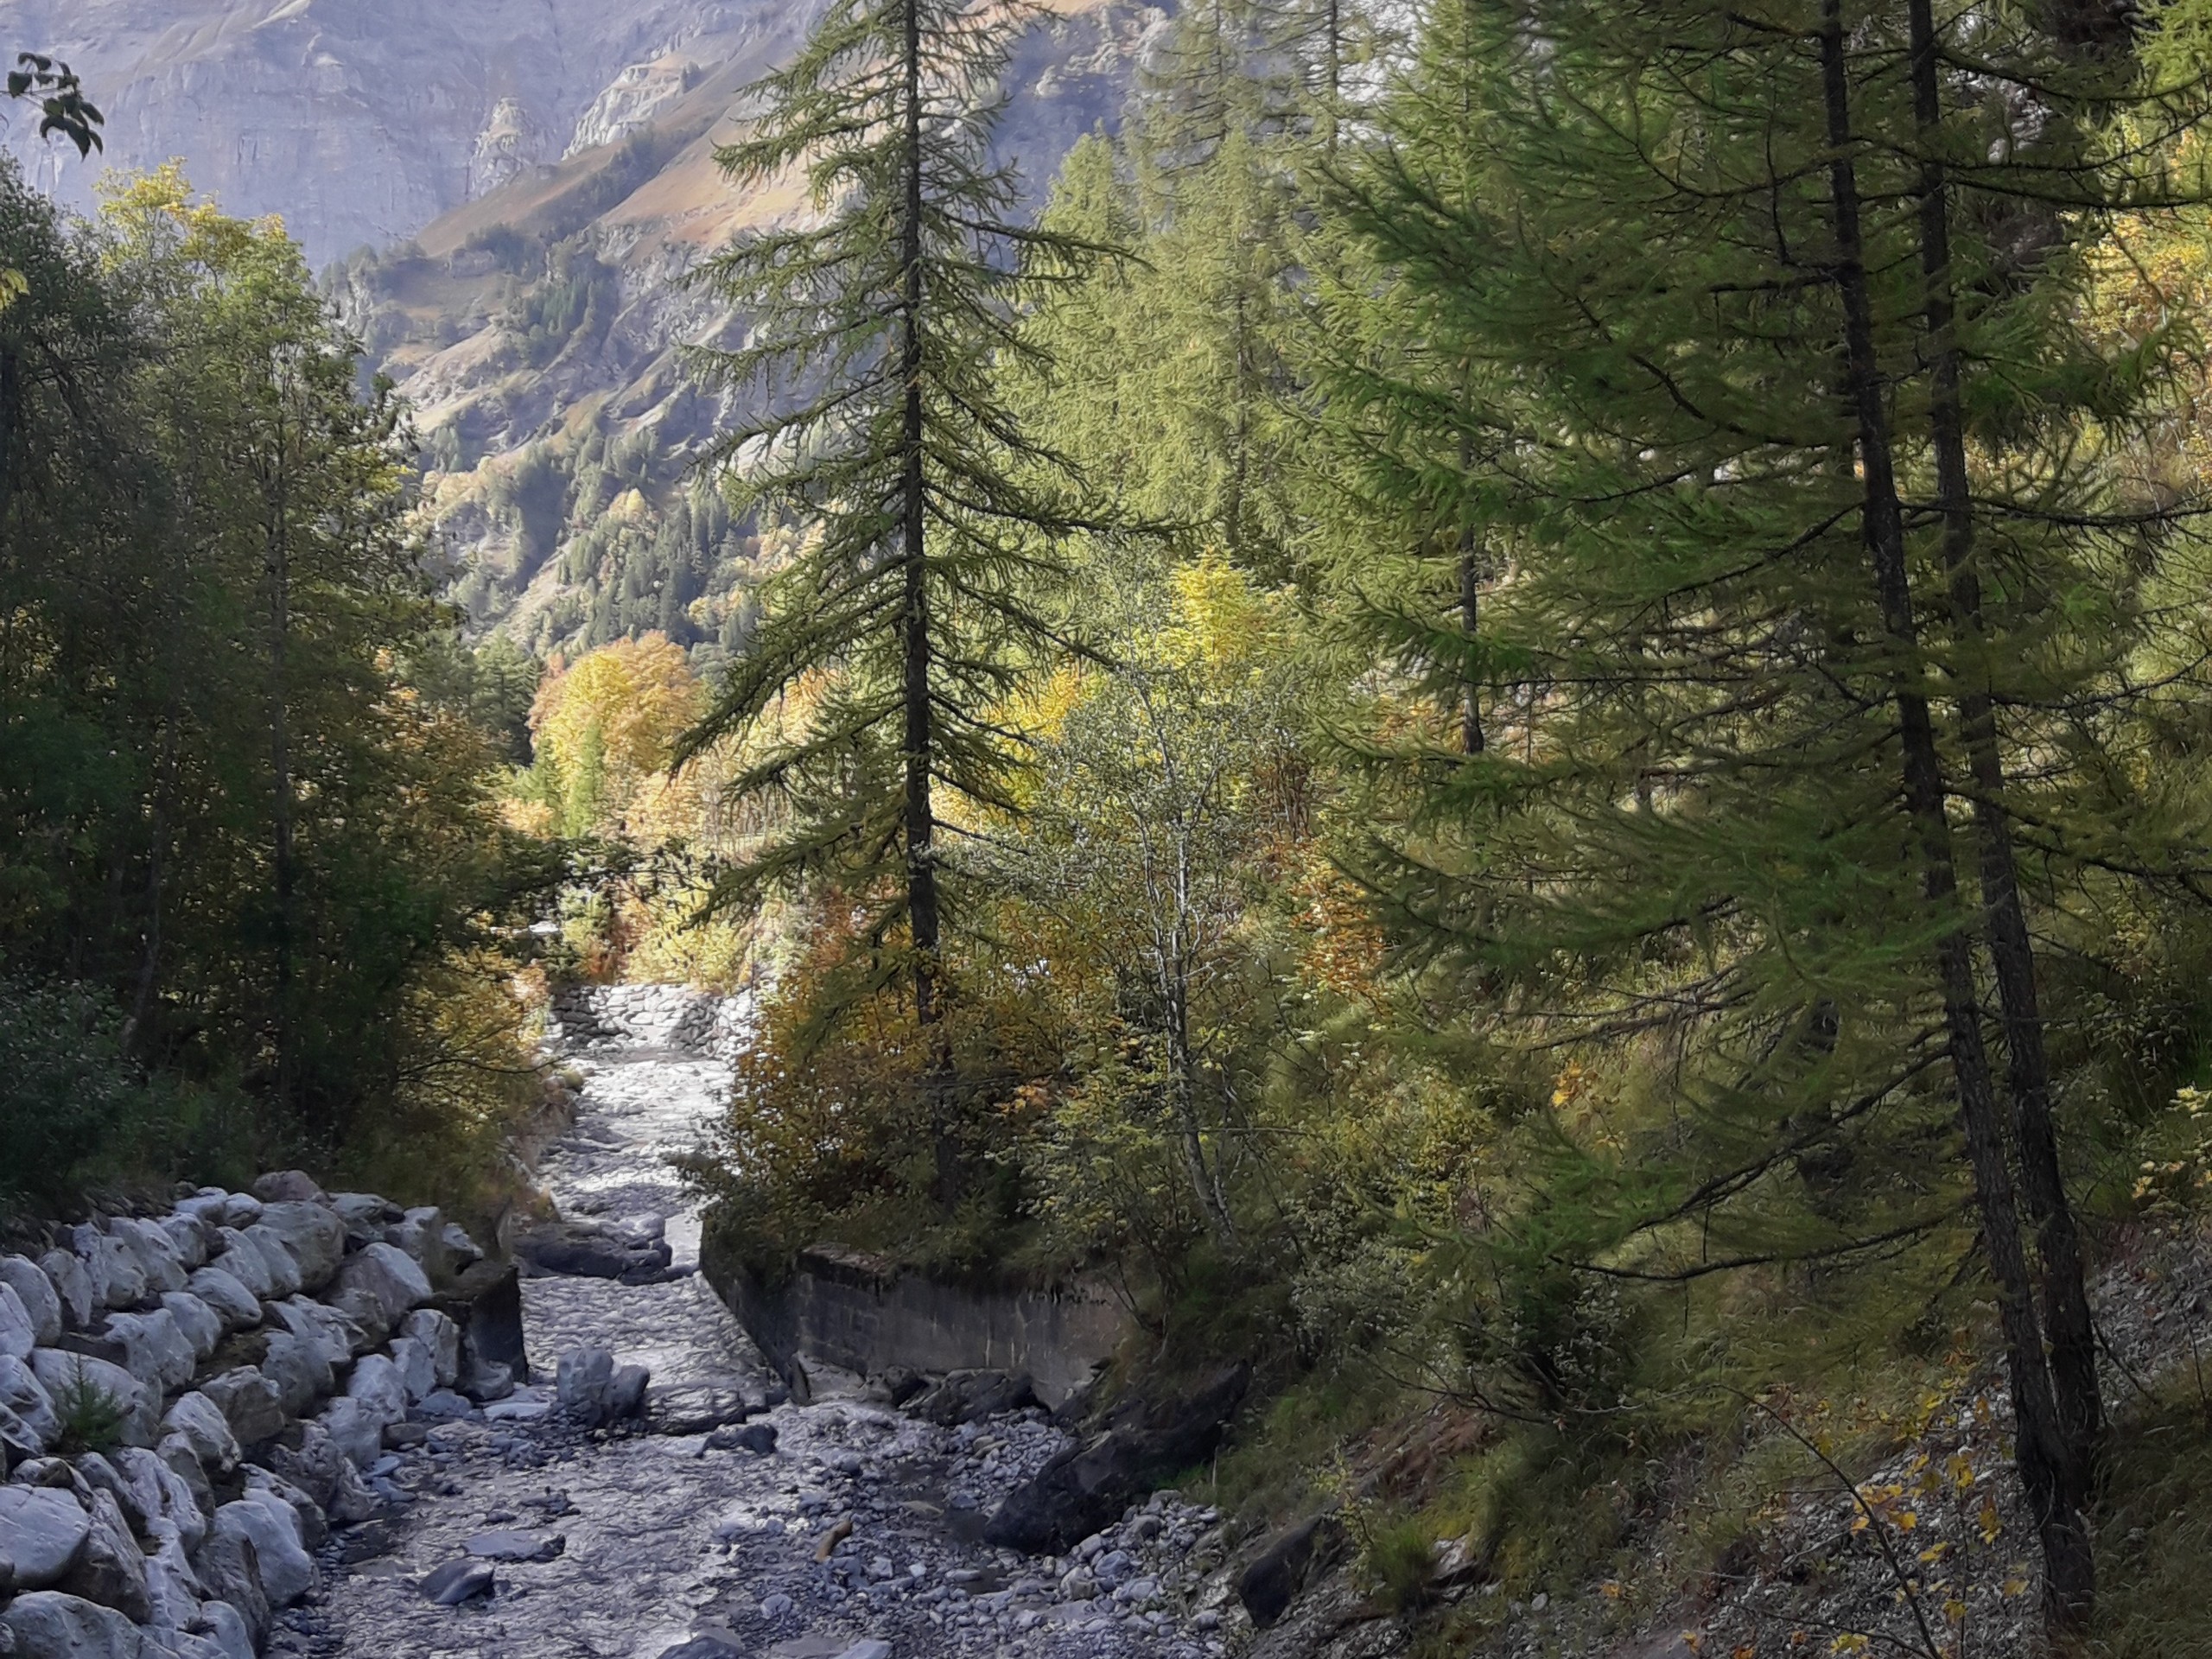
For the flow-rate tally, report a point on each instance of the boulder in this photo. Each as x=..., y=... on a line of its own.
x=22, y=1393
x=178, y=1457
x=224, y=1629
x=206, y=1204
x=156, y=1351
x=970, y=1396
x=201, y=1325
x=313, y=1237
x=194, y=1237
x=584, y=1383
x=228, y=1568
x=242, y=1259
x=286, y=1569
x=49, y=1625
x=383, y=1280
x=18, y=1334
x=72, y=1287
x=759, y=1438
x=201, y=1421
x=315, y=1524
x=486, y=1302
x=101, y=1475
x=321, y=1469
x=333, y=1336
x=484, y=1382
x=441, y=1339
x=153, y=1483
x=421, y=1235
x=416, y=1373
x=289, y=1187
x=112, y=1568
x=587, y=1250
x=112, y=1265
x=153, y=1250
x=626, y=1396
x=283, y=1271
x=458, y=1581
x=76, y=1382
x=461, y=1248
x=381, y=1391
x=364, y=1215
x=1273, y=1578
x=240, y=1209
x=42, y=1534
x=172, y=1587
x=252, y=1404
x=506, y=1544
x=1085, y=1487
x=355, y=1429
x=238, y=1308
x=35, y=1292
x=298, y=1368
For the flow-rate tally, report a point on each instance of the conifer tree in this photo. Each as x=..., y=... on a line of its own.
x=879, y=326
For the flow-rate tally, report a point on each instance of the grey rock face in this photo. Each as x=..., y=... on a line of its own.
x=249, y=1402
x=111, y=1569
x=42, y=1534
x=154, y=1251
x=35, y=1291
x=51, y=1625
x=238, y=1308
x=72, y=1287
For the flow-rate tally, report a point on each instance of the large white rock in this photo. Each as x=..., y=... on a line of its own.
x=199, y=1323
x=35, y=1291
x=18, y=1333
x=154, y=1251
x=194, y=1237
x=48, y=1625
x=72, y=1287
x=171, y=1585
x=65, y=1375
x=112, y=1264
x=441, y=1337
x=23, y=1393
x=242, y=1259
x=283, y=1271
x=386, y=1275
x=42, y=1532
x=200, y=1420
x=286, y=1570
x=312, y=1236
x=238, y=1308
x=155, y=1350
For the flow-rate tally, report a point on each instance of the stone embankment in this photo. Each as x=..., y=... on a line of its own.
x=311, y=1424
x=190, y=1402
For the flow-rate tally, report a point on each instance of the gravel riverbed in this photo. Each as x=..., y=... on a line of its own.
x=860, y=1527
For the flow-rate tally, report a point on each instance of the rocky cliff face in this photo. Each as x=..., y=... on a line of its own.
x=507, y=196
x=361, y=121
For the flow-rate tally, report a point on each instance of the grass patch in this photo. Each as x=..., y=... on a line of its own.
x=2155, y=1532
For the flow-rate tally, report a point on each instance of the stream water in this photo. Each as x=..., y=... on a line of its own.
x=655, y=1539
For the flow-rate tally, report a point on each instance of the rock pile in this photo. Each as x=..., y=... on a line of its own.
x=585, y=1018
x=188, y=1401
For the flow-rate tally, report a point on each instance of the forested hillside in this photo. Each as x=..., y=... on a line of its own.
x=1508, y=705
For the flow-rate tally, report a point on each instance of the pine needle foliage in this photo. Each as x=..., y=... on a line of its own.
x=881, y=324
